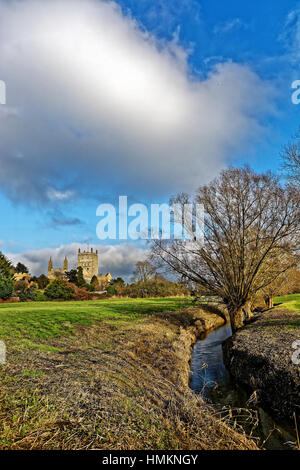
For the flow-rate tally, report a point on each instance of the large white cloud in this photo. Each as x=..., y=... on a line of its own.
x=94, y=104
x=119, y=260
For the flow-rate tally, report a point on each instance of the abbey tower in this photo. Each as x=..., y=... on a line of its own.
x=88, y=260
x=54, y=273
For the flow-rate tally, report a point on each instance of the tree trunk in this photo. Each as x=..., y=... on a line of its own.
x=247, y=311
x=269, y=301
x=236, y=318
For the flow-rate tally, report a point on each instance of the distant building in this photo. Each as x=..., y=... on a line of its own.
x=57, y=273
x=104, y=281
x=22, y=277
x=88, y=261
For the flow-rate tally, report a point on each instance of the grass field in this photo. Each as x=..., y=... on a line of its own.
x=42, y=320
x=289, y=302
x=109, y=374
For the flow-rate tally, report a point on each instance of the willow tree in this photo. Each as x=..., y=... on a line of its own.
x=251, y=226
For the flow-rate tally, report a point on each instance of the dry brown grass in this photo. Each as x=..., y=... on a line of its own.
x=118, y=385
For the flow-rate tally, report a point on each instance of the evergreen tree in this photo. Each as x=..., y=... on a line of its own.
x=80, y=279
x=21, y=268
x=72, y=276
x=6, y=268
x=95, y=283
x=6, y=287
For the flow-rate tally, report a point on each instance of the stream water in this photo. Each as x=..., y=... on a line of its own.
x=210, y=378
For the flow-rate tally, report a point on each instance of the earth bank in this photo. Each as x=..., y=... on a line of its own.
x=259, y=356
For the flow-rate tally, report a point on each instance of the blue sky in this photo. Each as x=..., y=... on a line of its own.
x=144, y=98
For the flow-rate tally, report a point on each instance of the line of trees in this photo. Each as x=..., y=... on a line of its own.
x=146, y=282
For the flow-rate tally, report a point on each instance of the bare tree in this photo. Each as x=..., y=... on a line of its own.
x=144, y=271
x=291, y=159
x=251, y=222
x=284, y=283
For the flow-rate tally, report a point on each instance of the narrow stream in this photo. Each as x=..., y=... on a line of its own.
x=210, y=378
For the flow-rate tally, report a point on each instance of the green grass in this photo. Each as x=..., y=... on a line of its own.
x=289, y=302
x=42, y=320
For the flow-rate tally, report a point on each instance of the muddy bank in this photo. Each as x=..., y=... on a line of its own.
x=259, y=356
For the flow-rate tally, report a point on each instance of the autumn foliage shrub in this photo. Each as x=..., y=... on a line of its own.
x=80, y=293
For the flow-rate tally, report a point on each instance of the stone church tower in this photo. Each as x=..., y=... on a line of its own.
x=88, y=260
x=55, y=273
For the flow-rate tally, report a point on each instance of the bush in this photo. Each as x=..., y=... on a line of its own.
x=59, y=290
x=39, y=296
x=42, y=281
x=80, y=293
x=111, y=290
x=89, y=287
x=6, y=287
x=24, y=291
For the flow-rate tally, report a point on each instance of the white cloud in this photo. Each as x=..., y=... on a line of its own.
x=230, y=25
x=119, y=260
x=55, y=195
x=95, y=104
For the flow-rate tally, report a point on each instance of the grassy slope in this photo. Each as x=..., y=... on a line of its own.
x=290, y=302
x=103, y=375
x=42, y=320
